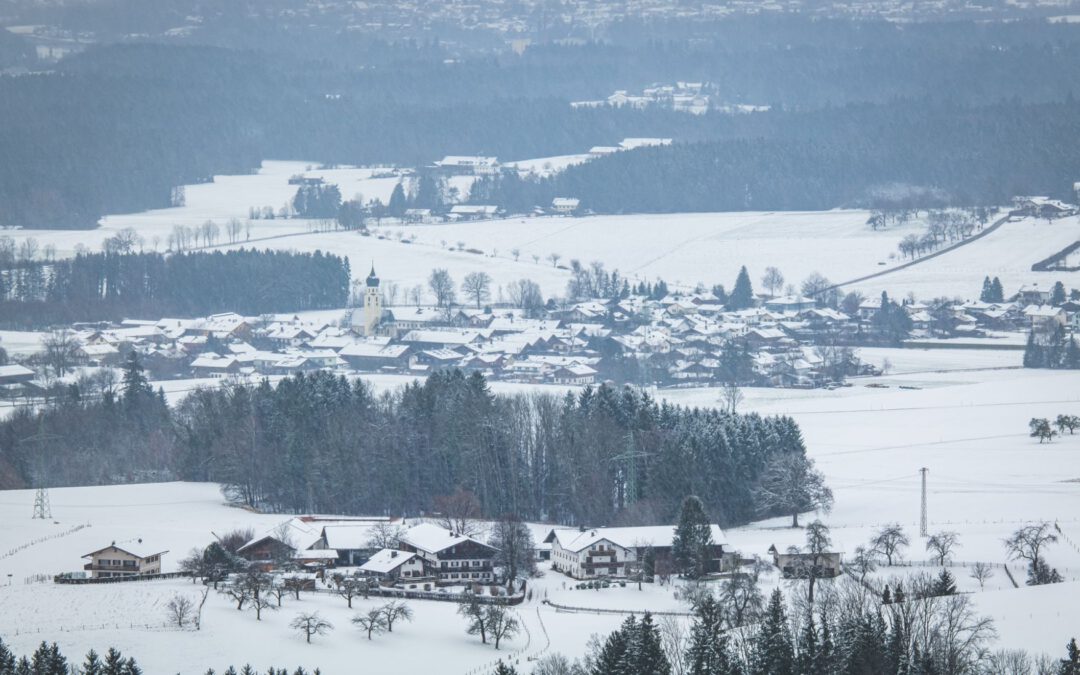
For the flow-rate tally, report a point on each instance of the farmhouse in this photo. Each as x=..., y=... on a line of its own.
x=129, y=559
x=450, y=557
x=389, y=565
x=565, y=205
x=617, y=551
x=794, y=564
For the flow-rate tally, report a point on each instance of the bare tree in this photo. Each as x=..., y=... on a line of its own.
x=179, y=609
x=981, y=572
x=294, y=585
x=385, y=535
x=60, y=349
x=1027, y=542
x=395, y=611
x=554, y=258
x=862, y=562
x=513, y=543
x=477, y=285
x=459, y=512
x=941, y=544
x=731, y=396
x=501, y=624
x=516, y=253
x=553, y=663
x=791, y=484
x=890, y=541
x=233, y=229
x=442, y=287
x=809, y=565
x=371, y=623
x=476, y=616
x=773, y=280
x=741, y=600
x=311, y=624
x=675, y=641
x=350, y=587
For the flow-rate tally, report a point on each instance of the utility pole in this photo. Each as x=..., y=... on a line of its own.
x=42, y=509
x=922, y=521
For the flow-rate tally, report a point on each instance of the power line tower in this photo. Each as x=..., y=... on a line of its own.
x=922, y=520
x=42, y=509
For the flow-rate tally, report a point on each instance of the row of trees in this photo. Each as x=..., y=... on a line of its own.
x=318, y=443
x=1051, y=347
x=102, y=286
x=49, y=660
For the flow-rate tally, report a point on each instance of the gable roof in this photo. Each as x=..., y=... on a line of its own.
x=658, y=536
x=387, y=560
x=432, y=538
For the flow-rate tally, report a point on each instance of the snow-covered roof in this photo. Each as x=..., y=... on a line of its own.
x=658, y=536
x=386, y=561
x=348, y=536
x=432, y=538
x=138, y=547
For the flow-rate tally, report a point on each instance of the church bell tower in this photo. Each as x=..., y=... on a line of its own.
x=372, y=303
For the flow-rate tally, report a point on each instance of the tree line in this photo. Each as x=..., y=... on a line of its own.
x=320, y=444
x=936, y=154
x=109, y=285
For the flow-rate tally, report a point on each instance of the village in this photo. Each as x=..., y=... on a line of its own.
x=677, y=340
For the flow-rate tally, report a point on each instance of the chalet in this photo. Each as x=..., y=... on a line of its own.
x=417, y=215
x=282, y=542
x=1032, y=295
x=351, y=540
x=390, y=565
x=1042, y=207
x=565, y=206
x=617, y=551
x=794, y=564
x=450, y=557
x=128, y=559
x=98, y=354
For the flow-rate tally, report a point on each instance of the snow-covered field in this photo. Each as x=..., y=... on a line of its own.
x=1007, y=253
x=964, y=416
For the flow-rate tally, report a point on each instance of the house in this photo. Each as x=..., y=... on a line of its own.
x=473, y=211
x=794, y=565
x=565, y=206
x=127, y=559
x=351, y=540
x=15, y=374
x=459, y=165
x=617, y=551
x=790, y=303
x=574, y=374
x=1032, y=295
x=389, y=565
x=450, y=557
x=1042, y=207
x=1044, y=317
x=417, y=215
x=213, y=365
x=371, y=356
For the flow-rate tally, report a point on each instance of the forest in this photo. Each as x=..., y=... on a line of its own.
x=930, y=155
x=320, y=444
x=115, y=128
x=112, y=286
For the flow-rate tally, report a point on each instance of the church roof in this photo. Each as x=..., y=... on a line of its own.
x=372, y=280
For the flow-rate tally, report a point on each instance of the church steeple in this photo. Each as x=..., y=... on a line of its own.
x=372, y=280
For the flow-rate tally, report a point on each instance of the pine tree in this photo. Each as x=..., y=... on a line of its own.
x=650, y=652
x=773, y=653
x=1057, y=294
x=503, y=669
x=693, y=539
x=809, y=649
x=1070, y=665
x=92, y=665
x=886, y=596
x=114, y=663
x=397, y=205
x=612, y=657
x=742, y=296
x=987, y=290
x=708, y=652
x=997, y=291
x=7, y=660
x=944, y=584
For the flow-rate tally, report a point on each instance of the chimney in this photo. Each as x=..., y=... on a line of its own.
x=393, y=554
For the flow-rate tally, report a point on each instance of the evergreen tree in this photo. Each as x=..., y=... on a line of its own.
x=7, y=660
x=773, y=653
x=650, y=656
x=987, y=293
x=692, y=542
x=1057, y=294
x=92, y=665
x=708, y=653
x=397, y=205
x=503, y=669
x=997, y=291
x=742, y=295
x=1070, y=665
x=944, y=584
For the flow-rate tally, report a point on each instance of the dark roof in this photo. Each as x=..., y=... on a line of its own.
x=372, y=280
